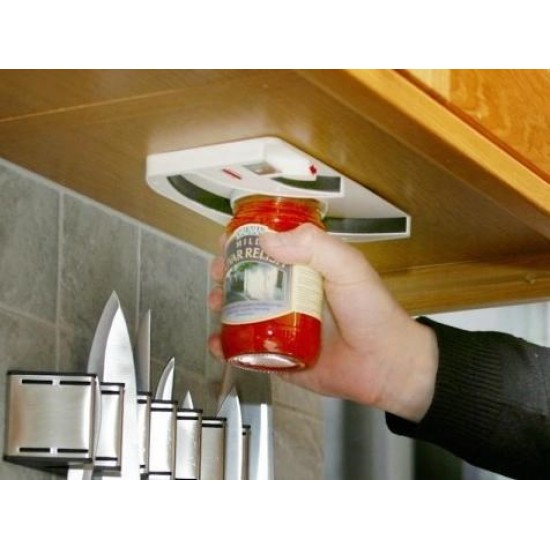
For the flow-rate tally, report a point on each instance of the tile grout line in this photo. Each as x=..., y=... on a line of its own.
x=38, y=178
x=25, y=315
x=60, y=222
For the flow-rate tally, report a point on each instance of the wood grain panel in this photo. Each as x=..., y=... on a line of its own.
x=435, y=80
x=449, y=287
x=30, y=92
x=510, y=106
x=513, y=105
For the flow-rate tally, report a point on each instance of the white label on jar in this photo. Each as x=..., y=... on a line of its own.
x=259, y=288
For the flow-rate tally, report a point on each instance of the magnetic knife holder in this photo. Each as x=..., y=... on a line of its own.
x=53, y=423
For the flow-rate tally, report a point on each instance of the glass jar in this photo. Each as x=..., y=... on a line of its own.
x=271, y=317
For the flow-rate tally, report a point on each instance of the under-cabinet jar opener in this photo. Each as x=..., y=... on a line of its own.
x=208, y=179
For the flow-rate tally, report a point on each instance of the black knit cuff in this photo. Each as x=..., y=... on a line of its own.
x=466, y=403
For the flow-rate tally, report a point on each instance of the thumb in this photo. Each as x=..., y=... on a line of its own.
x=308, y=245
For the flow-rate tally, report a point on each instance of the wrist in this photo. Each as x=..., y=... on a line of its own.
x=411, y=378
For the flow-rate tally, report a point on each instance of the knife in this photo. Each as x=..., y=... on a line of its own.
x=260, y=418
x=165, y=384
x=212, y=448
x=246, y=452
x=188, y=440
x=162, y=444
x=96, y=361
x=255, y=397
x=231, y=411
x=187, y=401
x=109, y=447
x=143, y=379
x=143, y=354
x=119, y=367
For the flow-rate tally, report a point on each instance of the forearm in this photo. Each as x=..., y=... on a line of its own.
x=491, y=404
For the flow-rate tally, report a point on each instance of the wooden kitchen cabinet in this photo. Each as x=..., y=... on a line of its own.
x=510, y=107
x=466, y=154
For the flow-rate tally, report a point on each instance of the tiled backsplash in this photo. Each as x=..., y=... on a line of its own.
x=61, y=256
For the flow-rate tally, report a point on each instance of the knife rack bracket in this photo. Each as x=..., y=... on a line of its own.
x=50, y=418
x=58, y=420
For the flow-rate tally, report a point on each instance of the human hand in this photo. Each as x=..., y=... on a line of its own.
x=372, y=352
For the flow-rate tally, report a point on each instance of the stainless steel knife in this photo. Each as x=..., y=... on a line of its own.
x=162, y=445
x=96, y=361
x=246, y=452
x=187, y=401
x=119, y=367
x=143, y=376
x=165, y=386
x=212, y=448
x=255, y=396
x=259, y=416
x=231, y=411
x=188, y=440
x=143, y=354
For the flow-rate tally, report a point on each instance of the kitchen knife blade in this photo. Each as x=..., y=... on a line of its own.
x=260, y=418
x=144, y=428
x=246, y=452
x=188, y=440
x=143, y=354
x=212, y=448
x=143, y=380
x=187, y=401
x=231, y=411
x=165, y=386
x=255, y=397
x=119, y=367
x=96, y=358
x=109, y=447
x=162, y=445
x=96, y=361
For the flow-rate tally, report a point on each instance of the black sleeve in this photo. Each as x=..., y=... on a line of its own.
x=491, y=405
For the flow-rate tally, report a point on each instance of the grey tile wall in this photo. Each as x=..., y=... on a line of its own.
x=299, y=431
x=298, y=445
x=28, y=238
x=61, y=256
x=293, y=397
x=99, y=255
x=174, y=287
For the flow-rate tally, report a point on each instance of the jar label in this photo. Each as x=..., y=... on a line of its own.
x=259, y=288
